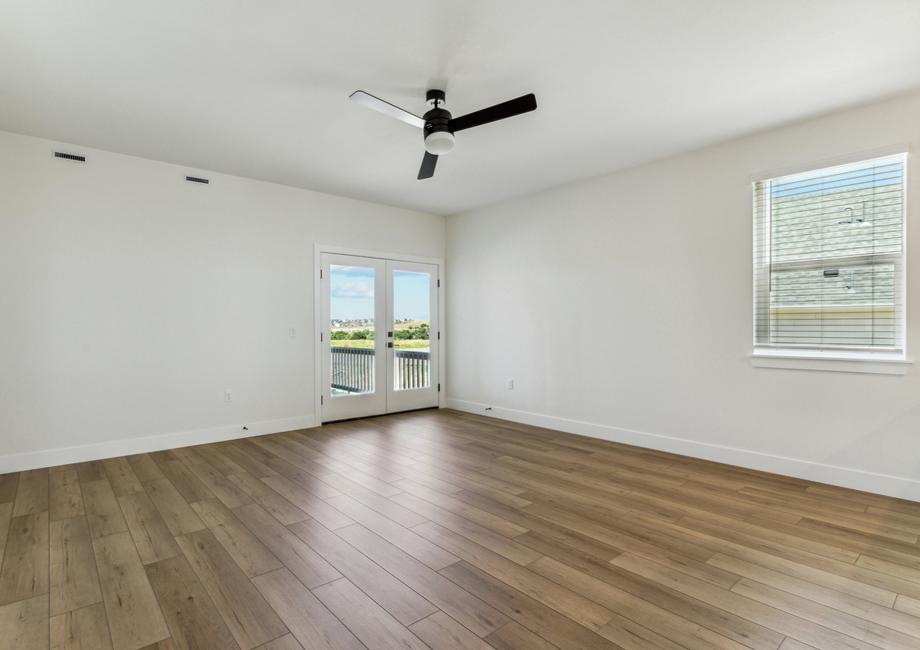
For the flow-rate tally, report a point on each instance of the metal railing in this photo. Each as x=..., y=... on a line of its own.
x=353, y=369
x=412, y=368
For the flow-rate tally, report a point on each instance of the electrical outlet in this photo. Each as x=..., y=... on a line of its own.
x=228, y=396
x=510, y=384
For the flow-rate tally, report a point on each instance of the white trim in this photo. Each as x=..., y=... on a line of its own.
x=144, y=444
x=832, y=360
x=318, y=250
x=832, y=161
x=848, y=477
x=383, y=255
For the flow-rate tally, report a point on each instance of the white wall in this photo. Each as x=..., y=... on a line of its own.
x=621, y=307
x=131, y=299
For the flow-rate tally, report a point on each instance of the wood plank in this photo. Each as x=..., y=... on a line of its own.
x=514, y=636
x=250, y=619
x=404, y=604
x=856, y=580
x=81, y=629
x=308, y=502
x=25, y=558
x=121, y=476
x=176, y=512
x=458, y=507
x=275, y=504
x=151, y=536
x=884, y=616
x=241, y=455
x=134, y=617
x=9, y=484
x=852, y=626
x=543, y=621
x=193, y=620
x=311, y=623
x=387, y=507
x=103, y=514
x=470, y=611
x=305, y=563
x=286, y=642
x=563, y=600
x=6, y=515
x=250, y=554
x=32, y=495
x=782, y=622
x=662, y=622
x=229, y=494
x=183, y=479
x=409, y=541
x=66, y=498
x=486, y=537
x=24, y=624
x=441, y=632
x=144, y=468
x=90, y=471
x=365, y=618
x=74, y=580
x=645, y=591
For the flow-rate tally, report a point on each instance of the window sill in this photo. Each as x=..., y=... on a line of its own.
x=874, y=364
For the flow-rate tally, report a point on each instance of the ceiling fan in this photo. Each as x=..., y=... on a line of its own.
x=438, y=126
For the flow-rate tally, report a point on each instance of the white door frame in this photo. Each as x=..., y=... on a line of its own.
x=318, y=250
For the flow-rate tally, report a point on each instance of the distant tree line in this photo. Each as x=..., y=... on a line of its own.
x=419, y=332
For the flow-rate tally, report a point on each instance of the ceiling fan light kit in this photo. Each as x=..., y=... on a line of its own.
x=438, y=125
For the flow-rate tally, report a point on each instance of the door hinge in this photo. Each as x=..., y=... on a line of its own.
x=321, y=401
x=439, y=388
x=320, y=337
x=439, y=282
x=439, y=336
x=320, y=274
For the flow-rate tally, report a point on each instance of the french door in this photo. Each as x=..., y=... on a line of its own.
x=379, y=336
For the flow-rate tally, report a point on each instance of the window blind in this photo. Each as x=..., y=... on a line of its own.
x=829, y=258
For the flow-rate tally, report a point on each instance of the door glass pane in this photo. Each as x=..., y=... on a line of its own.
x=411, y=325
x=351, y=329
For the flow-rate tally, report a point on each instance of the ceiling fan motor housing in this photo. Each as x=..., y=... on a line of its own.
x=439, y=139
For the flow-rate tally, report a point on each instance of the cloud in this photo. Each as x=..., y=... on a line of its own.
x=353, y=289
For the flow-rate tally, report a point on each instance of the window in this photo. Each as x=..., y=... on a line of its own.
x=829, y=261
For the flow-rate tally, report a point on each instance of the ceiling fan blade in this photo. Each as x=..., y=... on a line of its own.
x=427, y=168
x=510, y=108
x=381, y=106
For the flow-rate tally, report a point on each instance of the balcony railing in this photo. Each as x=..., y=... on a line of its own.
x=353, y=369
x=412, y=369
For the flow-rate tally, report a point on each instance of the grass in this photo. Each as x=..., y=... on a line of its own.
x=409, y=344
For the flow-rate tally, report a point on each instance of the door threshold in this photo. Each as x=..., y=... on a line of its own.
x=380, y=415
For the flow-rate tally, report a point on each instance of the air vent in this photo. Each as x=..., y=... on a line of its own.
x=196, y=179
x=69, y=156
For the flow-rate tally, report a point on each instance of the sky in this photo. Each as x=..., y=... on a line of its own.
x=352, y=296
x=887, y=173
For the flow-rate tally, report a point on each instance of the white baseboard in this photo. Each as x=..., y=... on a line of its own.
x=848, y=477
x=128, y=446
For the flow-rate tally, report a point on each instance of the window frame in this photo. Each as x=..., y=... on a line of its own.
x=826, y=357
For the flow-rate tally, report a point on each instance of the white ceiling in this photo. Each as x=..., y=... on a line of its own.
x=260, y=89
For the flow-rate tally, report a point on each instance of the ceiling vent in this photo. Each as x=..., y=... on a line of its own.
x=196, y=179
x=69, y=156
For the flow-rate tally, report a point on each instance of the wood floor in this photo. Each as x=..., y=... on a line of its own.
x=445, y=530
